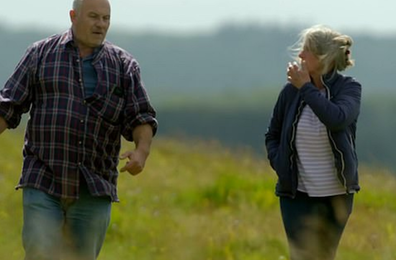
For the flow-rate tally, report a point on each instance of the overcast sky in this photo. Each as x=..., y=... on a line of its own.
x=191, y=15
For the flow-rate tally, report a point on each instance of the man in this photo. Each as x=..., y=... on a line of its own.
x=83, y=94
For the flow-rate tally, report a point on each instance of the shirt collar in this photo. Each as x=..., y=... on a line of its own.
x=67, y=40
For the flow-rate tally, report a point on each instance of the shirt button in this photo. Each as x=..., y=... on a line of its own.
x=82, y=121
x=79, y=142
x=79, y=164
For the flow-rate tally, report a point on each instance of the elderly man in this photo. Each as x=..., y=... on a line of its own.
x=83, y=94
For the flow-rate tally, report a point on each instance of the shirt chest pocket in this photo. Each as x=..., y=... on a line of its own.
x=109, y=107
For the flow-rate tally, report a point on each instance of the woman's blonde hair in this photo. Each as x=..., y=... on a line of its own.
x=329, y=46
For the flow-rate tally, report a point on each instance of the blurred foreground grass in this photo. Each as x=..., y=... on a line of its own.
x=201, y=201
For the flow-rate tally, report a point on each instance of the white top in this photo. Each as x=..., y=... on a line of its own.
x=315, y=159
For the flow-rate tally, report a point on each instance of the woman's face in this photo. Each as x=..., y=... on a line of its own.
x=311, y=61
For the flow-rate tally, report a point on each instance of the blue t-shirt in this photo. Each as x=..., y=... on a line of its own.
x=89, y=75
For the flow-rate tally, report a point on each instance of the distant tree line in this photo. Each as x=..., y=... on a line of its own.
x=222, y=85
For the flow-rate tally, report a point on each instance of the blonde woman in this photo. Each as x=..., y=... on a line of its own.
x=311, y=144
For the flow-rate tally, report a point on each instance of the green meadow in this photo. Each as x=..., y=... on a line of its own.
x=198, y=200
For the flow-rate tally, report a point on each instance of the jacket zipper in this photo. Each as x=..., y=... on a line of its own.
x=334, y=144
x=293, y=136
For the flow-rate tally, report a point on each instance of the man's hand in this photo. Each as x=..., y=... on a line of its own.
x=296, y=75
x=142, y=136
x=135, y=163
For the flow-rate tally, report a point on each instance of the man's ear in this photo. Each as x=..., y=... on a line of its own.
x=72, y=15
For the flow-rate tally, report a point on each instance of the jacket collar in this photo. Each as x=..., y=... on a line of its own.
x=330, y=78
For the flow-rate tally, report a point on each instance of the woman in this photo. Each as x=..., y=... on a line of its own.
x=311, y=144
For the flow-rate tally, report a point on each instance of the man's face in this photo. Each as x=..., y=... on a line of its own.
x=90, y=23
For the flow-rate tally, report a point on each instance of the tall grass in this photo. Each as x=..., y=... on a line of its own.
x=201, y=201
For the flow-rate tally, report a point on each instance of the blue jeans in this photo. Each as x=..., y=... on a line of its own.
x=314, y=225
x=55, y=229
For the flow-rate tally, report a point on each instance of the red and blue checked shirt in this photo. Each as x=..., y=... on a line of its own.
x=70, y=136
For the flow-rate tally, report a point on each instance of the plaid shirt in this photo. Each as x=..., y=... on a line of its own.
x=68, y=135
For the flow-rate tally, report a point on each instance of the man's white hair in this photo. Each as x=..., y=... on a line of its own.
x=77, y=5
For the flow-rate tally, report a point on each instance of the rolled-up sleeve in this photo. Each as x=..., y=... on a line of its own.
x=138, y=109
x=16, y=97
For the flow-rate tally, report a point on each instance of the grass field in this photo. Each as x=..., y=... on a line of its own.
x=200, y=201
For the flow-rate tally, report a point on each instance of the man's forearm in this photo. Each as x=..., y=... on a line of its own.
x=3, y=125
x=142, y=136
